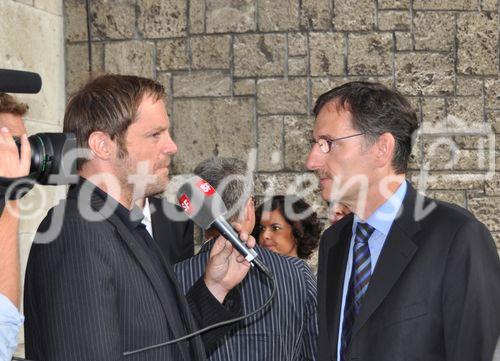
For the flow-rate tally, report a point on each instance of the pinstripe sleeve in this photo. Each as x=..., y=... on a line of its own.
x=70, y=298
x=190, y=270
x=207, y=310
x=204, y=306
x=310, y=343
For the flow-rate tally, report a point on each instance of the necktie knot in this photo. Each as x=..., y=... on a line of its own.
x=363, y=233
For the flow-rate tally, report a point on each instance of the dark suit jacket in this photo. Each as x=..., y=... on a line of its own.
x=285, y=331
x=93, y=293
x=175, y=238
x=434, y=294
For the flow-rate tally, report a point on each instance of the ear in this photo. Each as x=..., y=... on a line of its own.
x=384, y=150
x=248, y=217
x=101, y=145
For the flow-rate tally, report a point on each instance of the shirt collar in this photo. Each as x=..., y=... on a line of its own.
x=146, y=211
x=133, y=218
x=385, y=215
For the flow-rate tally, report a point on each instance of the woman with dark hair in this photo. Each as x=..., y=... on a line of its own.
x=287, y=225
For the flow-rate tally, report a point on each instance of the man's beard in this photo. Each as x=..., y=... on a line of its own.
x=139, y=180
x=158, y=187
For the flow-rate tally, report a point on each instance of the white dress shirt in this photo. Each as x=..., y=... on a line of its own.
x=147, y=217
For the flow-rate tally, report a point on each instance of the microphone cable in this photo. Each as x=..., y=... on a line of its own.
x=261, y=267
x=255, y=262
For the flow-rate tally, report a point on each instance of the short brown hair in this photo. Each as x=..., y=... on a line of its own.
x=376, y=109
x=109, y=104
x=9, y=104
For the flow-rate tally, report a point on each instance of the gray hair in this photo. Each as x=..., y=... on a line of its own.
x=230, y=178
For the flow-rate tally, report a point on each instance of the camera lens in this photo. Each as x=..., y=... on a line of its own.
x=48, y=152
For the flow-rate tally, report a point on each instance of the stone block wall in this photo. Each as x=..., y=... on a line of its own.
x=32, y=39
x=243, y=75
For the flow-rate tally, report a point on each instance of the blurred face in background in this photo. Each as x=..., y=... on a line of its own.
x=276, y=234
x=337, y=212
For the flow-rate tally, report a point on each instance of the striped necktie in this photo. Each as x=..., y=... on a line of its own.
x=358, y=284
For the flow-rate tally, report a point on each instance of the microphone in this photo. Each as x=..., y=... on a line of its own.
x=205, y=207
x=17, y=81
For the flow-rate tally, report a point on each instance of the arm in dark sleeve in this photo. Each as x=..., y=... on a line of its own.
x=70, y=299
x=207, y=310
x=471, y=295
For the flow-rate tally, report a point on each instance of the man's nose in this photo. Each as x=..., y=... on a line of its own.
x=313, y=159
x=169, y=147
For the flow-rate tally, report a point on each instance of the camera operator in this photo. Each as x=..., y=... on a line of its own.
x=12, y=165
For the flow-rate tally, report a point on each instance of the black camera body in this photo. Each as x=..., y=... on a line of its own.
x=53, y=162
x=53, y=155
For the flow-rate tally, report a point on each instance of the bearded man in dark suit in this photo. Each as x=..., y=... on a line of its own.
x=97, y=287
x=395, y=283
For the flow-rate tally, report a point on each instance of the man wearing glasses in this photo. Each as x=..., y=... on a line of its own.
x=395, y=283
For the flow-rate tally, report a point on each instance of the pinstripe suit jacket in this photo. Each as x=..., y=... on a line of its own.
x=93, y=293
x=287, y=330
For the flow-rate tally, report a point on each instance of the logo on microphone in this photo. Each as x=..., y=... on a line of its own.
x=185, y=203
x=205, y=187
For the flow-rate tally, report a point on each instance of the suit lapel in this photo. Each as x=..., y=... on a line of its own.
x=396, y=254
x=336, y=260
x=333, y=253
x=166, y=300
x=166, y=250
x=181, y=300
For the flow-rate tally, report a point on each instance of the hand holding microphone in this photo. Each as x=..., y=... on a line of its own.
x=230, y=256
x=228, y=263
x=226, y=267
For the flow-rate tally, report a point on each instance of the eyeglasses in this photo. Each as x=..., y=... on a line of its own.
x=325, y=145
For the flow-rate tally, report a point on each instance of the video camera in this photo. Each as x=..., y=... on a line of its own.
x=50, y=163
x=47, y=156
